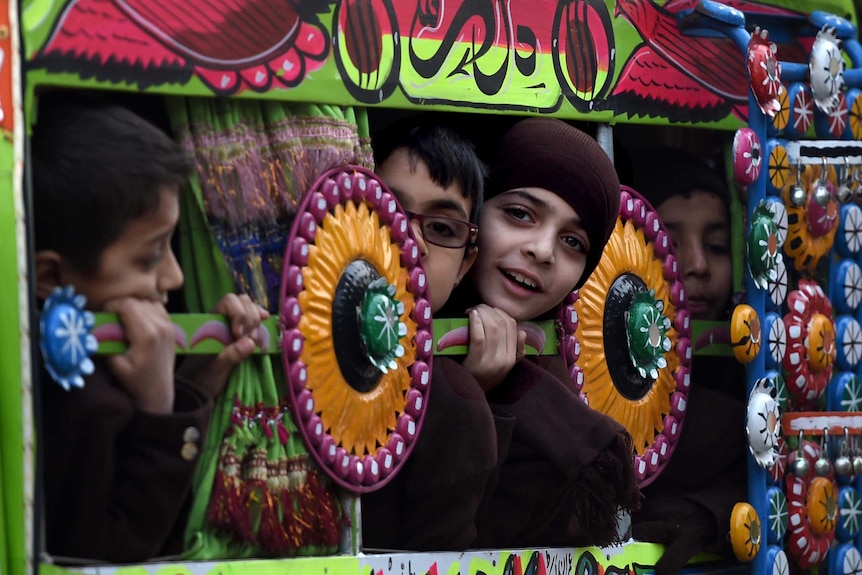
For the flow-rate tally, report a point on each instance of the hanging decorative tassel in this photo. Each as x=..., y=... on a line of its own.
x=319, y=509
x=227, y=496
x=254, y=495
x=255, y=160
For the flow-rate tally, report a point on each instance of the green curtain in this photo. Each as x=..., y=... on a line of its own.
x=257, y=492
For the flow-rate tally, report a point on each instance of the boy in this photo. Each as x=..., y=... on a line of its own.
x=693, y=204
x=432, y=503
x=119, y=454
x=551, y=204
x=707, y=474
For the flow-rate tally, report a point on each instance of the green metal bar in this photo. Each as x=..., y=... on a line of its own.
x=206, y=333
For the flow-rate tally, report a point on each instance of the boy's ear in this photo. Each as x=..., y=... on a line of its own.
x=47, y=272
x=469, y=257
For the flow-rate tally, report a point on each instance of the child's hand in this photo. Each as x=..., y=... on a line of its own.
x=146, y=370
x=244, y=316
x=496, y=344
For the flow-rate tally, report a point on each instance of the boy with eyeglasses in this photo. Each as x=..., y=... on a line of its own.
x=432, y=503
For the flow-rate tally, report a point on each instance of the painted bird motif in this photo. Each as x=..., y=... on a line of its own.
x=230, y=45
x=683, y=78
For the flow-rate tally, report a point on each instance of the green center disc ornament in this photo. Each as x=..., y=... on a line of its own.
x=764, y=247
x=381, y=325
x=647, y=328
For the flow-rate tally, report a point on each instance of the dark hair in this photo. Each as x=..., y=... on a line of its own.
x=96, y=167
x=450, y=157
x=662, y=172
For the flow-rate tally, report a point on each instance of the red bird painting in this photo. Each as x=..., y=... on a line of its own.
x=230, y=45
x=682, y=78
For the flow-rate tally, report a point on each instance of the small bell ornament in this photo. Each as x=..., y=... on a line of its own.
x=821, y=193
x=799, y=466
x=823, y=466
x=843, y=465
x=857, y=458
x=845, y=190
x=797, y=193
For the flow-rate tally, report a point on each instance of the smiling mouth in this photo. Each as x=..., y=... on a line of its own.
x=521, y=280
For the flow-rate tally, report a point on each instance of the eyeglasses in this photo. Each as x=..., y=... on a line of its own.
x=445, y=232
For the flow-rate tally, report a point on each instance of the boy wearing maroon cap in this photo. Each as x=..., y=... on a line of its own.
x=551, y=204
x=432, y=503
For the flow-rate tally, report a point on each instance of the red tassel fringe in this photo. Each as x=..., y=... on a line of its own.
x=280, y=506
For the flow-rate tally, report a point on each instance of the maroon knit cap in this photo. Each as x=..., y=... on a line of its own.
x=548, y=153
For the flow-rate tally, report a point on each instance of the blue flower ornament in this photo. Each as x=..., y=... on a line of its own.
x=66, y=341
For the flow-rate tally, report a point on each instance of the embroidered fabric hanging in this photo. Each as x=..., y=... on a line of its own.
x=257, y=491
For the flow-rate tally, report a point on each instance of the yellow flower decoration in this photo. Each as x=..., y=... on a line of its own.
x=810, y=228
x=822, y=505
x=358, y=421
x=745, y=333
x=627, y=252
x=746, y=531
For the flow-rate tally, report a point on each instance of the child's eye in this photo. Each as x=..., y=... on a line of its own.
x=439, y=228
x=151, y=261
x=518, y=213
x=575, y=243
x=718, y=249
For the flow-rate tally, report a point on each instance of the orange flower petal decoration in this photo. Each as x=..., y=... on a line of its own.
x=645, y=392
x=357, y=340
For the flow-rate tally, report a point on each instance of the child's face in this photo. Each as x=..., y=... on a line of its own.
x=139, y=264
x=419, y=194
x=532, y=252
x=699, y=228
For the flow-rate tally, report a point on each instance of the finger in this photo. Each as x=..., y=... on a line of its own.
x=521, y=350
x=251, y=315
x=260, y=334
x=262, y=312
x=230, y=306
x=237, y=351
x=508, y=334
x=234, y=353
x=236, y=311
x=123, y=307
x=477, y=333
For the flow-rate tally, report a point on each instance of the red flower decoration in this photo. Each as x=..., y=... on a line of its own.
x=764, y=72
x=810, y=342
x=812, y=510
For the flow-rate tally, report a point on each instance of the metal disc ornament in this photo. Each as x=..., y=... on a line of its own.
x=826, y=69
